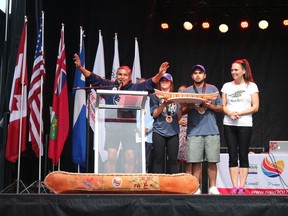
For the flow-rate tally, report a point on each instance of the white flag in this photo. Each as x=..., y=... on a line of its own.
x=136, y=70
x=116, y=62
x=99, y=63
x=99, y=69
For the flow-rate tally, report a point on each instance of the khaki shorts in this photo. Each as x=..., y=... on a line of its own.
x=203, y=148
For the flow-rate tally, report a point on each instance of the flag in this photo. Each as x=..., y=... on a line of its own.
x=99, y=69
x=17, y=131
x=99, y=63
x=35, y=96
x=79, y=117
x=116, y=63
x=60, y=111
x=136, y=69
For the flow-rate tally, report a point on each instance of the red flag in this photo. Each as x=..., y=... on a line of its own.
x=18, y=103
x=35, y=96
x=60, y=113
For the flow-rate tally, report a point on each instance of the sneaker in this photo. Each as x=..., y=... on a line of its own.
x=241, y=191
x=234, y=191
x=198, y=192
x=214, y=190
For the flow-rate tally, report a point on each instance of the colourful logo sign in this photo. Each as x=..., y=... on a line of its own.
x=272, y=169
x=117, y=181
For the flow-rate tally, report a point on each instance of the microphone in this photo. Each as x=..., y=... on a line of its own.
x=120, y=86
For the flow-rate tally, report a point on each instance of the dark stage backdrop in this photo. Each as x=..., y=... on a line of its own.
x=267, y=52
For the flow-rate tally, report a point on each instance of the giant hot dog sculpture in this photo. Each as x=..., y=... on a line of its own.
x=168, y=95
x=60, y=182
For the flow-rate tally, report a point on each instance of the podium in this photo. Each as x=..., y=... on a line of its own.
x=119, y=119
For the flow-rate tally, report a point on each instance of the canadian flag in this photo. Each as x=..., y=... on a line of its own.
x=17, y=129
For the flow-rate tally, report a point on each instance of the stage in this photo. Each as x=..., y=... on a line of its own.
x=127, y=204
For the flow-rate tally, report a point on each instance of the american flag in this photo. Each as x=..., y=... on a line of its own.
x=35, y=96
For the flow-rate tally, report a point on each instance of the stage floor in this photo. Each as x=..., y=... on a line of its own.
x=128, y=204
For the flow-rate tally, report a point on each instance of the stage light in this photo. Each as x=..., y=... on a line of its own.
x=285, y=22
x=187, y=25
x=244, y=24
x=205, y=25
x=164, y=26
x=223, y=28
x=263, y=24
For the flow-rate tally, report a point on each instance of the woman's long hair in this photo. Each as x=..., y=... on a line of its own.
x=248, y=77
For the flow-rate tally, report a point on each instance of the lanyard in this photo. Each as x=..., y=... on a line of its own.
x=203, y=89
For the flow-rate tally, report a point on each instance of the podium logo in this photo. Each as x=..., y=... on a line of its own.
x=272, y=169
x=117, y=181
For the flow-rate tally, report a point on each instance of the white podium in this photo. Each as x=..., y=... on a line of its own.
x=116, y=126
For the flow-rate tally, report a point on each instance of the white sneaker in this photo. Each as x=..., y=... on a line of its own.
x=214, y=191
x=198, y=192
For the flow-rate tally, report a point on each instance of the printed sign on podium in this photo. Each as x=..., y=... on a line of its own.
x=119, y=118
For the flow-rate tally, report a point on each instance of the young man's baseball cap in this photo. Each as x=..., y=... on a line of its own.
x=198, y=66
x=167, y=76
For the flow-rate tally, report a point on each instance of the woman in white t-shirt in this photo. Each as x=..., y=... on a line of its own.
x=240, y=100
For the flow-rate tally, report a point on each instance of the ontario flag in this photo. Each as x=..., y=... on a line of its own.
x=17, y=129
x=35, y=96
x=60, y=111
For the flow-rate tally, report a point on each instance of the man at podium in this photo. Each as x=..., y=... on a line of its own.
x=122, y=82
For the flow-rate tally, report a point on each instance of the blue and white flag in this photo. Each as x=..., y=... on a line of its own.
x=79, y=116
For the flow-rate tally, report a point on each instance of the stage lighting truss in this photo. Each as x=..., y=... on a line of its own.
x=223, y=27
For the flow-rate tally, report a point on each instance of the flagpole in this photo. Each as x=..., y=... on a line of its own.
x=21, y=109
x=59, y=161
x=87, y=131
x=87, y=144
x=80, y=48
x=41, y=113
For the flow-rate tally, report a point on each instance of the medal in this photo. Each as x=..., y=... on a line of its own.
x=201, y=109
x=169, y=119
x=168, y=112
